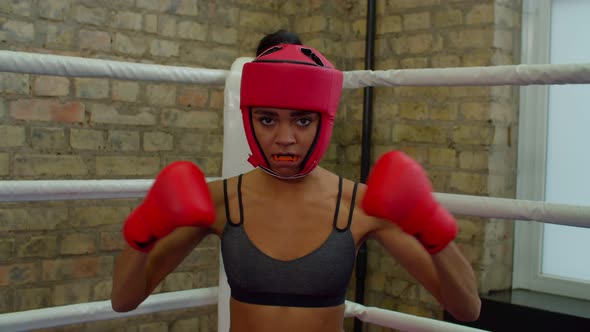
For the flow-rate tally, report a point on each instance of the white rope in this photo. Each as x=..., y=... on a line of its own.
x=101, y=310
x=401, y=321
x=69, y=66
x=489, y=207
x=49, y=64
x=512, y=209
x=57, y=190
x=495, y=75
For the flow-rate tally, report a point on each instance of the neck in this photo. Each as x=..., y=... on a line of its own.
x=277, y=184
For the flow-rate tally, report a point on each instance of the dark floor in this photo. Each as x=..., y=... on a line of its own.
x=521, y=310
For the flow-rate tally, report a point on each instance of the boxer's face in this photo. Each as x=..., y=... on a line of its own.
x=285, y=137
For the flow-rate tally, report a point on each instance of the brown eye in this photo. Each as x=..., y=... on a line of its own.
x=304, y=122
x=265, y=120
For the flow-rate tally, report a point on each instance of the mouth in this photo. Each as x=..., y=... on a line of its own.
x=285, y=157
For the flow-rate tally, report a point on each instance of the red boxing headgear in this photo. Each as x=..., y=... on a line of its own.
x=291, y=77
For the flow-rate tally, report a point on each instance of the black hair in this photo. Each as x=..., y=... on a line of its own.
x=276, y=38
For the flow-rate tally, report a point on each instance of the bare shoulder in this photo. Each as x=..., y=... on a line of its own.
x=218, y=196
x=216, y=190
x=365, y=225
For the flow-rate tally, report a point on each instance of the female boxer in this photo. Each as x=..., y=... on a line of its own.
x=290, y=229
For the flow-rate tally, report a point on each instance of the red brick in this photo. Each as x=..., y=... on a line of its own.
x=83, y=267
x=17, y=274
x=193, y=97
x=47, y=110
x=51, y=86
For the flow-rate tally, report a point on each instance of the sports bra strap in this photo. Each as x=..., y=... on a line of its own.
x=335, y=222
x=227, y=215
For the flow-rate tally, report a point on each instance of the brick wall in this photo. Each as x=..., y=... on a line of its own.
x=55, y=253
x=464, y=136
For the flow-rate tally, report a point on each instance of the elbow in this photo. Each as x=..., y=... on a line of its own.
x=468, y=313
x=122, y=306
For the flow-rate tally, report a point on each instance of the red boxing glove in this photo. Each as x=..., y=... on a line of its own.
x=398, y=190
x=178, y=197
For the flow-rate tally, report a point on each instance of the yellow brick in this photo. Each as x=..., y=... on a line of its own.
x=387, y=24
x=381, y=133
x=157, y=141
x=92, y=88
x=444, y=112
x=123, y=140
x=125, y=91
x=70, y=293
x=162, y=95
x=470, y=134
x=11, y=136
x=4, y=164
x=480, y=14
x=475, y=111
x=102, y=290
x=51, y=86
x=469, y=183
x=129, y=166
x=78, y=244
x=418, y=153
x=94, y=216
x=250, y=19
x=471, y=91
x=38, y=246
x=416, y=21
x=413, y=110
x=87, y=139
x=190, y=119
x=32, y=219
x=178, y=281
x=419, y=133
x=470, y=38
x=448, y=17
x=442, y=157
x=504, y=40
x=477, y=58
x=414, y=62
x=49, y=166
x=31, y=298
x=48, y=138
x=109, y=114
x=311, y=24
x=224, y=35
x=473, y=160
x=444, y=61
x=385, y=111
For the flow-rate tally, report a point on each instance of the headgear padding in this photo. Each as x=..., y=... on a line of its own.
x=291, y=77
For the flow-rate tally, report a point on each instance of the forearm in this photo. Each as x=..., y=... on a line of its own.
x=458, y=286
x=129, y=280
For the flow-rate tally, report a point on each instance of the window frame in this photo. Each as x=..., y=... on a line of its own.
x=532, y=160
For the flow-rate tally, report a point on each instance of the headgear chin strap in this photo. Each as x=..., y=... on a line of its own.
x=291, y=77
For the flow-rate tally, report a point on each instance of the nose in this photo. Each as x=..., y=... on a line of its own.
x=285, y=135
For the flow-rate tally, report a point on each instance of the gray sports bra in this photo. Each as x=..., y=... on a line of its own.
x=318, y=279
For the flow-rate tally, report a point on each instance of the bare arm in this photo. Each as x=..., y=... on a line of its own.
x=137, y=274
x=446, y=275
x=458, y=286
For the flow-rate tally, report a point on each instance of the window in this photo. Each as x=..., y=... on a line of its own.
x=553, y=151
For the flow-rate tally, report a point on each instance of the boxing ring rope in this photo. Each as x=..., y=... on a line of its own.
x=69, y=66
x=481, y=206
x=101, y=310
x=45, y=64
